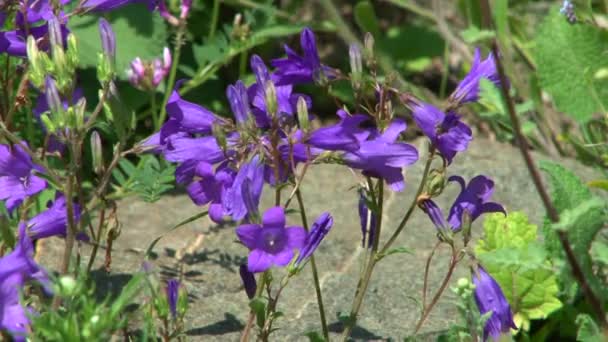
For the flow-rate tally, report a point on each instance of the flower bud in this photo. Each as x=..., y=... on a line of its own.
x=186, y=5
x=55, y=36
x=356, y=66
x=303, y=118
x=72, y=52
x=68, y=285
x=270, y=98
x=97, y=154
x=248, y=281
x=368, y=44
x=36, y=70
x=108, y=39
x=435, y=183
x=52, y=96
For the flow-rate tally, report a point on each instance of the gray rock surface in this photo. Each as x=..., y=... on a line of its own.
x=218, y=308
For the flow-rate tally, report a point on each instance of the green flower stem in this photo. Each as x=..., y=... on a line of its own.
x=177, y=50
x=154, y=111
x=315, y=274
x=258, y=293
x=215, y=12
x=371, y=263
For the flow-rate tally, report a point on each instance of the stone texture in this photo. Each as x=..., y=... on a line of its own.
x=219, y=306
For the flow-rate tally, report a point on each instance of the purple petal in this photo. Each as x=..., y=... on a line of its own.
x=274, y=217
x=259, y=261
x=249, y=234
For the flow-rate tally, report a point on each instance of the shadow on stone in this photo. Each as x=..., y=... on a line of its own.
x=228, y=325
x=358, y=333
x=108, y=284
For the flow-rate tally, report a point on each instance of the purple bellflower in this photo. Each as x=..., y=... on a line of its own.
x=239, y=102
x=110, y=5
x=446, y=132
x=368, y=221
x=473, y=199
x=307, y=68
x=468, y=89
x=108, y=38
x=17, y=178
x=490, y=298
x=16, y=268
x=243, y=197
x=172, y=291
x=383, y=157
x=249, y=282
x=343, y=136
x=53, y=221
x=270, y=243
x=317, y=233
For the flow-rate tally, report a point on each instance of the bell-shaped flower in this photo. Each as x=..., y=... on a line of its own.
x=468, y=89
x=243, y=197
x=271, y=243
x=54, y=220
x=384, y=157
x=342, y=136
x=490, y=298
x=446, y=132
x=172, y=293
x=17, y=178
x=295, y=69
x=317, y=233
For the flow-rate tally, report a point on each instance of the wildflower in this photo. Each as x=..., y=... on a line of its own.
x=235, y=201
x=54, y=220
x=270, y=243
x=319, y=229
x=239, y=102
x=567, y=10
x=147, y=75
x=343, y=136
x=368, y=221
x=108, y=39
x=468, y=89
x=16, y=268
x=472, y=200
x=446, y=132
x=172, y=291
x=248, y=279
x=296, y=69
x=490, y=298
x=17, y=178
x=110, y=5
x=383, y=157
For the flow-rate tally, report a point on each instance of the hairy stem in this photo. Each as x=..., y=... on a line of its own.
x=315, y=274
x=177, y=50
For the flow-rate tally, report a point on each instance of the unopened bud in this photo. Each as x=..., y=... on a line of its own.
x=368, y=44
x=55, y=36
x=52, y=96
x=436, y=183
x=36, y=70
x=249, y=282
x=271, y=98
x=303, y=114
x=79, y=112
x=108, y=39
x=356, y=66
x=185, y=8
x=72, y=52
x=48, y=123
x=97, y=153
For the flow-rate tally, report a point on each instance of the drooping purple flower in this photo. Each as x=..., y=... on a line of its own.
x=54, y=220
x=180, y=148
x=317, y=233
x=270, y=243
x=468, y=89
x=14, y=42
x=343, y=136
x=17, y=178
x=446, y=132
x=246, y=190
x=108, y=38
x=187, y=117
x=249, y=282
x=210, y=187
x=296, y=69
x=473, y=199
x=172, y=292
x=490, y=298
x=384, y=157
x=368, y=221
x=16, y=268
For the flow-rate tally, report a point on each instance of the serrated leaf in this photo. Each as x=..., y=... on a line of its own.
x=588, y=331
x=365, y=17
x=568, y=192
x=568, y=56
x=502, y=231
x=137, y=35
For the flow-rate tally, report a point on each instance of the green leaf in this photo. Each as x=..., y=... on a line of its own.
x=314, y=336
x=474, y=35
x=259, y=308
x=396, y=250
x=588, y=331
x=568, y=56
x=365, y=17
x=599, y=252
x=582, y=217
x=502, y=231
x=599, y=184
x=138, y=34
x=509, y=251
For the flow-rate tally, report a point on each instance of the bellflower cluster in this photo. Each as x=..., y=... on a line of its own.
x=147, y=75
x=473, y=201
x=16, y=269
x=32, y=17
x=490, y=298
